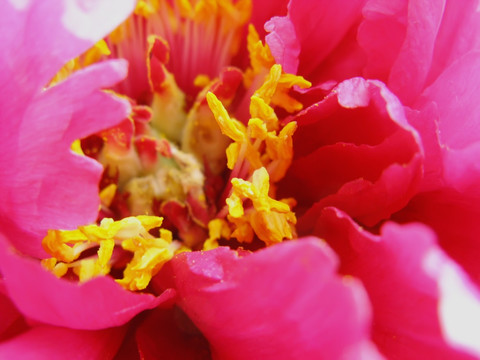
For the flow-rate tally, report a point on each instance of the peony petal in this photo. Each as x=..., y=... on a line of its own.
x=447, y=119
x=316, y=28
x=66, y=303
x=403, y=271
x=381, y=35
x=455, y=93
x=283, y=302
x=33, y=49
x=10, y=318
x=283, y=43
x=169, y=334
x=48, y=342
x=458, y=35
x=459, y=308
x=355, y=150
x=40, y=177
x=454, y=217
x=409, y=72
x=409, y=44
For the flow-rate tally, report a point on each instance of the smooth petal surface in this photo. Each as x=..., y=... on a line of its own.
x=39, y=37
x=409, y=281
x=455, y=94
x=355, y=150
x=283, y=302
x=48, y=342
x=41, y=179
x=96, y=304
x=409, y=44
x=319, y=27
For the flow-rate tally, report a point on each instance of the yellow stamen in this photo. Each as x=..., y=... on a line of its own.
x=276, y=87
x=77, y=147
x=271, y=220
x=262, y=128
x=131, y=233
x=107, y=194
x=217, y=229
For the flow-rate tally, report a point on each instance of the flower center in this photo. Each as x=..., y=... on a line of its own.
x=206, y=177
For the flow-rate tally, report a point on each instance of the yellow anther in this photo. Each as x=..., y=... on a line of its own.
x=260, y=109
x=232, y=152
x=201, y=80
x=145, y=8
x=268, y=88
x=235, y=205
x=257, y=129
x=260, y=56
x=279, y=149
x=270, y=219
x=234, y=129
x=107, y=194
x=217, y=229
x=276, y=87
x=131, y=233
x=77, y=147
x=102, y=48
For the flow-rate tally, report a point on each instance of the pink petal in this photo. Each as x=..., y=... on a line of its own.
x=354, y=150
x=458, y=35
x=455, y=93
x=33, y=49
x=10, y=317
x=283, y=43
x=409, y=72
x=284, y=302
x=96, y=304
x=447, y=118
x=381, y=35
x=454, y=217
x=40, y=177
x=409, y=44
x=403, y=271
x=48, y=342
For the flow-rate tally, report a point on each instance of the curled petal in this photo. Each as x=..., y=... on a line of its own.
x=282, y=302
x=409, y=281
x=356, y=151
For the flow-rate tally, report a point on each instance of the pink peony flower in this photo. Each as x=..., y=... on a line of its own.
x=362, y=159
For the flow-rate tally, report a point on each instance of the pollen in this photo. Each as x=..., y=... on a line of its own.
x=112, y=239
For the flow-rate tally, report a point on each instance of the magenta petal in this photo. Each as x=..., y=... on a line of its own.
x=402, y=271
x=284, y=302
x=9, y=314
x=283, y=43
x=40, y=177
x=455, y=93
x=320, y=26
x=39, y=37
x=355, y=150
x=410, y=70
x=48, y=342
x=458, y=35
x=96, y=304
